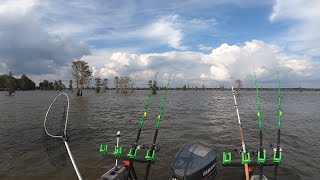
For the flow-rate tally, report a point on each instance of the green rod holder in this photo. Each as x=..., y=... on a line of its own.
x=103, y=149
x=277, y=159
x=150, y=155
x=117, y=151
x=227, y=158
x=131, y=154
x=263, y=159
x=245, y=161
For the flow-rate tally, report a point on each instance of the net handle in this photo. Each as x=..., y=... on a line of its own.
x=72, y=160
x=65, y=125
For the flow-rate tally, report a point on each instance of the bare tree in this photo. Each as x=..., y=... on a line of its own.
x=98, y=84
x=60, y=85
x=124, y=84
x=105, y=84
x=221, y=87
x=81, y=74
x=70, y=85
x=116, y=83
x=300, y=89
x=131, y=86
x=239, y=85
x=155, y=87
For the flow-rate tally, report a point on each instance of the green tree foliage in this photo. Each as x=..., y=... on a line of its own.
x=56, y=85
x=10, y=83
x=26, y=83
x=51, y=87
x=70, y=85
x=184, y=87
x=7, y=81
x=81, y=74
x=45, y=85
x=61, y=86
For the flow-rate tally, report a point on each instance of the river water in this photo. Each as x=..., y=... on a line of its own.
x=204, y=117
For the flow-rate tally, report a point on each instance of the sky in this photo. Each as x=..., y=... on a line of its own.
x=196, y=40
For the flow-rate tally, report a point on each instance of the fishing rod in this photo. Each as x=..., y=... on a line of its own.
x=133, y=151
x=152, y=150
x=261, y=151
x=245, y=155
x=277, y=152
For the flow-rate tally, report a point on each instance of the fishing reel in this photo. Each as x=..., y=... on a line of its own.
x=240, y=151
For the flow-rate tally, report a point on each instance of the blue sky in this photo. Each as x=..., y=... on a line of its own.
x=195, y=39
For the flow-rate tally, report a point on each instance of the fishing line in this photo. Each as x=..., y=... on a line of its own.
x=151, y=152
x=245, y=155
x=277, y=157
x=133, y=151
x=261, y=152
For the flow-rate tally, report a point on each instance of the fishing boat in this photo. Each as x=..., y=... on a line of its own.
x=191, y=162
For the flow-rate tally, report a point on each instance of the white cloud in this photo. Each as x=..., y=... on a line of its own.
x=25, y=45
x=267, y=59
x=16, y=7
x=3, y=67
x=302, y=18
x=165, y=30
x=179, y=76
x=204, y=47
x=197, y=68
x=170, y=30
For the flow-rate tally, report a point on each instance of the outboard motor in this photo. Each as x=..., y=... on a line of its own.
x=194, y=162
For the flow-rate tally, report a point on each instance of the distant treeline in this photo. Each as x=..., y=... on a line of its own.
x=23, y=83
x=227, y=89
x=47, y=85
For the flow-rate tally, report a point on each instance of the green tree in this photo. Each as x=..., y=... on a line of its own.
x=81, y=74
x=26, y=83
x=184, y=87
x=10, y=83
x=60, y=85
x=45, y=85
x=3, y=81
x=51, y=86
x=70, y=85
x=55, y=85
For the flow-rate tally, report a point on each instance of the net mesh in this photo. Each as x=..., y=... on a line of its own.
x=55, y=123
x=56, y=150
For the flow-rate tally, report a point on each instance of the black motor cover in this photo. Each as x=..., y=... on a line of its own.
x=194, y=162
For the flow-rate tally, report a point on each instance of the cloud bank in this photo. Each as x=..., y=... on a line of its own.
x=26, y=47
x=302, y=18
x=211, y=69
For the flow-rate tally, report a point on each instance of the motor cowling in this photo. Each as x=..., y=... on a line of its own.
x=194, y=162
